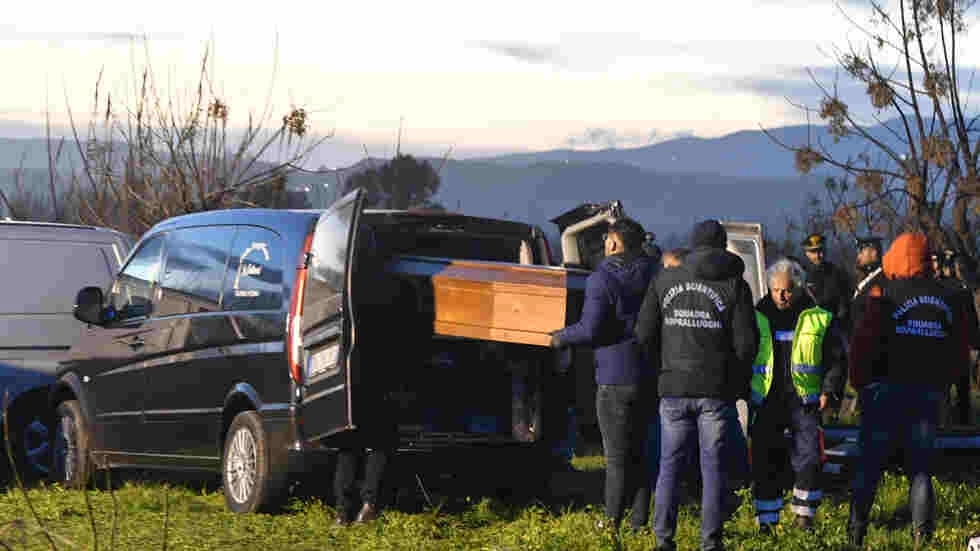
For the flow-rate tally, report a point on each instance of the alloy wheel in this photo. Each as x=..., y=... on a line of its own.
x=240, y=466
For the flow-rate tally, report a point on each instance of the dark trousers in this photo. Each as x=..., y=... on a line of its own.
x=374, y=444
x=897, y=416
x=684, y=420
x=768, y=442
x=345, y=480
x=624, y=423
x=963, y=399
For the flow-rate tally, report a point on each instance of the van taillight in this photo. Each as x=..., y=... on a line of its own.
x=294, y=324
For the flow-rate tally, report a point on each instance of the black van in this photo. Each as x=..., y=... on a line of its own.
x=227, y=342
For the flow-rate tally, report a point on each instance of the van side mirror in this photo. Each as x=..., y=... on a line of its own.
x=88, y=306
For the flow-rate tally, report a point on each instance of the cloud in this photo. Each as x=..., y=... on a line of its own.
x=108, y=37
x=610, y=138
x=797, y=83
x=526, y=52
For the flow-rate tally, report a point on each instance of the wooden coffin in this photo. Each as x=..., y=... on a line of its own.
x=501, y=302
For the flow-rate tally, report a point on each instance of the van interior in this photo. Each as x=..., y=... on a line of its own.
x=459, y=390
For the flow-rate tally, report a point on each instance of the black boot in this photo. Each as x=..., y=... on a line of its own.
x=921, y=538
x=803, y=522
x=344, y=516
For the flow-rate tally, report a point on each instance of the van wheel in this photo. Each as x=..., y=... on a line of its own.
x=71, y=463
x=27, y=438
x=249, y=484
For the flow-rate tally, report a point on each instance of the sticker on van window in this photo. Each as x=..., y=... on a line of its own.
x=250, y=269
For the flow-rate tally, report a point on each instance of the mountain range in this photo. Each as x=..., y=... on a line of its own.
x=666, y=186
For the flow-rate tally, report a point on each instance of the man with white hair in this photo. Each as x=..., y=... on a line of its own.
x=799, y=367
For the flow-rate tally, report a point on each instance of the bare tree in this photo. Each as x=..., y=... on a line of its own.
x=160, y=153
x=918, y=93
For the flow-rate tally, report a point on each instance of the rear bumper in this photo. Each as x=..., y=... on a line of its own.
x=437, y=452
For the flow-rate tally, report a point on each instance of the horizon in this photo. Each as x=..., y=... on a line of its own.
x=354, y=153
x=520, y=77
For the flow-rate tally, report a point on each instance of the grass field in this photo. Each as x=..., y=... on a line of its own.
x=160, y=516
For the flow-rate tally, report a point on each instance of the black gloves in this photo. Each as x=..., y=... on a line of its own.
x=556, y=341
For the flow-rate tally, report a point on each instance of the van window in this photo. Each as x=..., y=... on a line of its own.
x=47, y=274
x=325, y=285
x=195, y=265
x=254, y=277
x=132, y=294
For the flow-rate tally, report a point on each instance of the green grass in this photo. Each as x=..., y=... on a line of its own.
x=197, y=519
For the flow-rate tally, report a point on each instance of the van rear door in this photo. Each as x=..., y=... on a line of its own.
x=745, y=240
x=328, y=329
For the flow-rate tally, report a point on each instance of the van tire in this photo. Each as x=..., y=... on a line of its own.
x=27, y=437
x=71, y=460
x=248, y=482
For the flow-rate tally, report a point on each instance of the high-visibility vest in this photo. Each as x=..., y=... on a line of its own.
x=806, y=356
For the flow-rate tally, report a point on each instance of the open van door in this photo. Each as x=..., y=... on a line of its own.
x=582, y=229
x=745, y=240
x=329, y=336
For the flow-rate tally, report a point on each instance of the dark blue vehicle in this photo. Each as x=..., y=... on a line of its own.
x=43, y=266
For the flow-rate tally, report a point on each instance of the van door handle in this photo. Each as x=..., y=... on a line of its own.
x=136, y=342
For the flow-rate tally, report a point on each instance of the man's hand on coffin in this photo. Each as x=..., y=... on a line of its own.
x=556, y=341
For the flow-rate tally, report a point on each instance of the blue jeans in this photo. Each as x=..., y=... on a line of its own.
x=682, y=420
x=653, y=447
x=897, y=416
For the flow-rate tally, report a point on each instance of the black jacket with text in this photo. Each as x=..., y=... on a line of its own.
x=701, y=320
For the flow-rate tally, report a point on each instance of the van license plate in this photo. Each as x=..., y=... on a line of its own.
x=323, y=362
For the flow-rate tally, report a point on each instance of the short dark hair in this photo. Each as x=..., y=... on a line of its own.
x=966, y=263
x=631, y=231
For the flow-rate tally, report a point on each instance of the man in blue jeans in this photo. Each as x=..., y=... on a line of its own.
x=912, y=341
x=701, y=318
x=613, y=294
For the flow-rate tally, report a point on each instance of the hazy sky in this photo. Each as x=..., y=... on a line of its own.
x=478, y=77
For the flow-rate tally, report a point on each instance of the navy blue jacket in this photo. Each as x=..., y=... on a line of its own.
x=613, y=295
